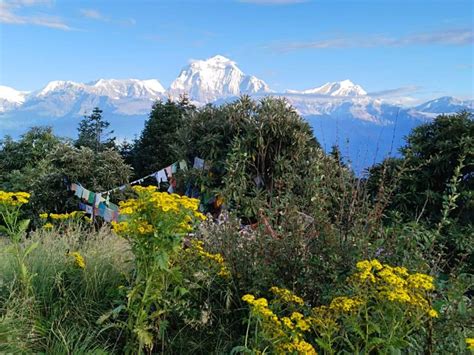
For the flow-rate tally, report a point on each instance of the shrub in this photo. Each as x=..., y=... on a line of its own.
x=388, y=310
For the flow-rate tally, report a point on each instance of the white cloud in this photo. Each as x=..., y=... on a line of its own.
x=92, y=14
x=29, y=2
x=127, y=22
x=9, y=14
x=396, y=92
x=450, y=37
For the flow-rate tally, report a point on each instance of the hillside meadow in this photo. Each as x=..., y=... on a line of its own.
x=254, y=241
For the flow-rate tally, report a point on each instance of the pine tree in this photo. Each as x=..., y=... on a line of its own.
x=93, y=132
x=156, y=146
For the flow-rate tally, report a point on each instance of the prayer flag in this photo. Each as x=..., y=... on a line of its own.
x=101, y=209
x=198, y=163
x=161, y=176
x=85, y=194
x=108, y=215
x=89, y=209
x=79, y=191
x=113, y=207
x=91, y=198
x=98, y=199
x=174, y=168
x=183, y=165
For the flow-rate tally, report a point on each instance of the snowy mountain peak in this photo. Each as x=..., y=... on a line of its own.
x=11, y=95
x=445, y=104
x=339, y=88
x=117, y=89
x=219, y=59
x=11, y=98
x=215, y=78
x=59, y=85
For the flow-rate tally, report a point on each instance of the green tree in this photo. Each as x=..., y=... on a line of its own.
x=432, y=153
x=43, y=164
x=155, y=148
x=271, y=155
x=92, y=132
x=26, y=153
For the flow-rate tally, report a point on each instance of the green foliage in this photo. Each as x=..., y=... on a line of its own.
x=433, y=184
x=269, y=157
x=92, y=132
x=26, y=152
x=44, y=165
x=299, y=219
x=429, y=159
x=60, y=314
x=154, y=149
x=389, y=309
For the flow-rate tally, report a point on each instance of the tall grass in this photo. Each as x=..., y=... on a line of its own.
x=60, y=317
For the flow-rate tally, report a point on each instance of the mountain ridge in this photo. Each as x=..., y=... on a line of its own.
x=213, y=80
x=339, y=112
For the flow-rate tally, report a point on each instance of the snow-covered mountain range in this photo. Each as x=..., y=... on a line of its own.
x=216, y=78
x=203, y=81
x=338, y=111
x=345, y=88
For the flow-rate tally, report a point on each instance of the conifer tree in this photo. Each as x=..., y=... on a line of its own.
x=93, y=134
x=155, y=148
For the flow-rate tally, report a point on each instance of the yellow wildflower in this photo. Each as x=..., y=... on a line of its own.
x=48, y=226
x=217, y=258
x=43, y=215
x=345, y=304
x=286, y=295
x=298, y=346
x=421, y=281
x=288, y=323
x=470, y=343
x=14, y=198
x=248, y=298
x=78, y=259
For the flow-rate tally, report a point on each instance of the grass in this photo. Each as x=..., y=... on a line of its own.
x=61, y=316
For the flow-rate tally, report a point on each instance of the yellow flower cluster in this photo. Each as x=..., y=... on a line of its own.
x=286, y=295
x=396, y=284
x=161, y=200
x=78, y=259
x=152, y=205
x=345, y=304
x=287, y=331
x=470, y=343
x=298, y=346
x=259, y=307
x=14, y=198
x=139, y=227
x=48, y=226
x=63, y=216
x=217, y=258
x=324, y=319
x=296, y=321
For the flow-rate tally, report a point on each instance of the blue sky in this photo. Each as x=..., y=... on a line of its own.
x=411, y=47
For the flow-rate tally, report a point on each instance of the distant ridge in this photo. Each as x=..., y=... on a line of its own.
x=340, y=111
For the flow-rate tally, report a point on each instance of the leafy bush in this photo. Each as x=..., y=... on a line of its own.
x=388, y=309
